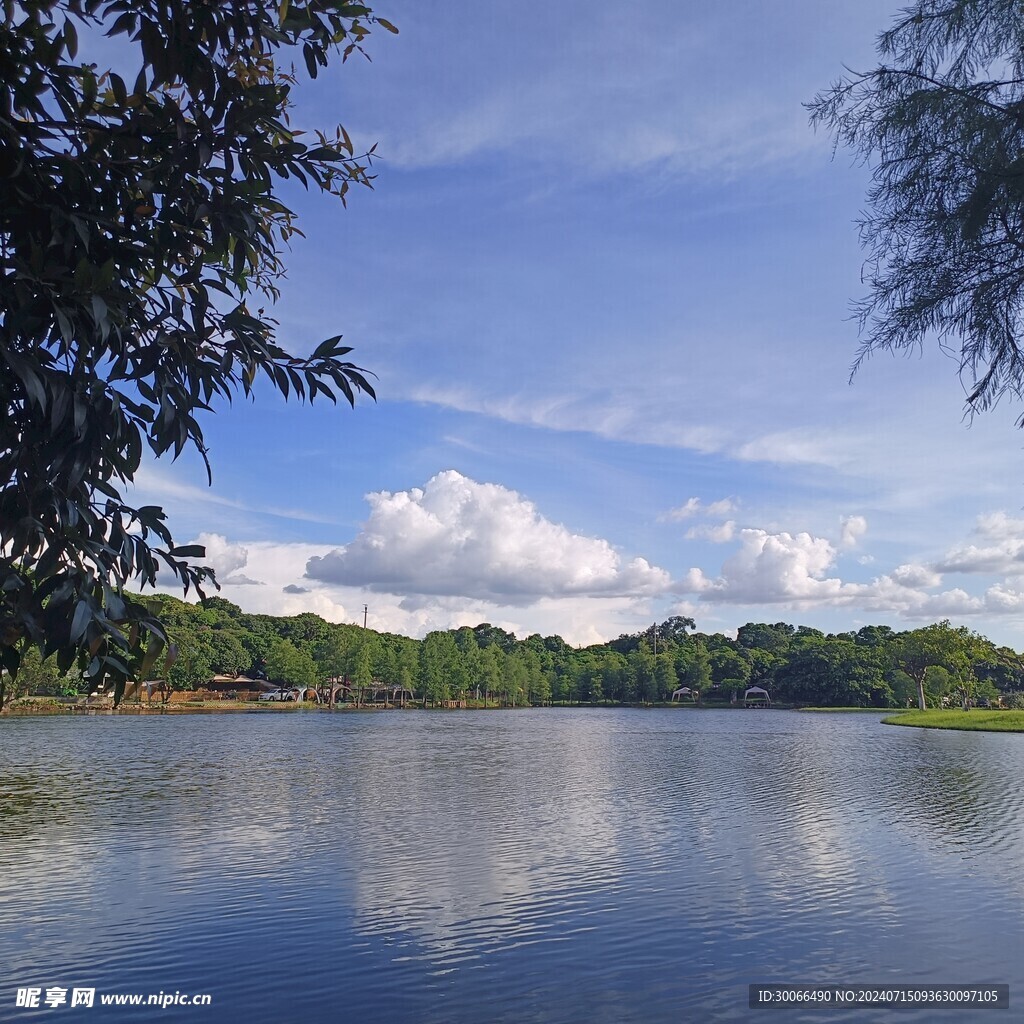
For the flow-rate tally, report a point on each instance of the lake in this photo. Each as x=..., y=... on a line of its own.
x=548, y=865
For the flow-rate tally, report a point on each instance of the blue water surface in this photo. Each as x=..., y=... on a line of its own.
x=547, y=865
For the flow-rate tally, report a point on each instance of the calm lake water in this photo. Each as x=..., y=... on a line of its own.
x=532, y=866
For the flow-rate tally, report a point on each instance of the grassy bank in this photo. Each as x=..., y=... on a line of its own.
x=981, y=721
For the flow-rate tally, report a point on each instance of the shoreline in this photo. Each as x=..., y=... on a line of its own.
x=975, y=720
x=43, y=706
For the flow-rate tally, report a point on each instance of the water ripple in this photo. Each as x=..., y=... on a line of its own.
x=530, y=866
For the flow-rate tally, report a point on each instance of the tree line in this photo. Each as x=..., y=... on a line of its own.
x=874, y=666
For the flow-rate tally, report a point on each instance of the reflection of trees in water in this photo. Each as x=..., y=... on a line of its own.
x=115, y=788
x=30, y=800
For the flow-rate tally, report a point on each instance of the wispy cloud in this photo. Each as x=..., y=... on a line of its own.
x=240, y=580
x=800, y=446
x=696, y=507
x=596, y=93
x=623, y=418
x=160, y=486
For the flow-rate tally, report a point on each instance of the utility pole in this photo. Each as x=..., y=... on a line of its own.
x=365, y=609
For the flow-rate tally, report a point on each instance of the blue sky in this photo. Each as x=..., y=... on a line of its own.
x=604, y=280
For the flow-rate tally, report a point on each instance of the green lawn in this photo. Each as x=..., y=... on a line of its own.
x=983, y=721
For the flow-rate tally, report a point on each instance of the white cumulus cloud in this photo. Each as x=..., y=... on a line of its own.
x=852, y=528
x=797, y=570
x=716, y=534
x=1000, y=548
x=222, y=556
x=915, y=576
x=1002, y=598
x=771, y=568
x=457, y=537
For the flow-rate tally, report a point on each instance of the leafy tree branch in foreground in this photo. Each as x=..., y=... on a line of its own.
x=141, y=233
x=940, y=121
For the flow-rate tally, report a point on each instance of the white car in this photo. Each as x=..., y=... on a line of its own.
x=278, y=695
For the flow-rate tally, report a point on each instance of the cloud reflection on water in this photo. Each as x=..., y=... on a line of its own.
x=550, y=855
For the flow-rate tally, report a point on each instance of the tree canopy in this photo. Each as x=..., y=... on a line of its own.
x=141, y=233
x=873, y=667
x=940, y=120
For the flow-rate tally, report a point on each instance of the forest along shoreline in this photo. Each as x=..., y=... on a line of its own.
x=231, y=660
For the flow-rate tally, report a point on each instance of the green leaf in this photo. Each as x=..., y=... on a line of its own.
x=64, y=324
x=33, y=385
x=124, y=23
x=326, y=348
x=81, y=620
x=167, y=195
x=119, y=89
x=156, y=645
x=70, y=39
x=189, y=551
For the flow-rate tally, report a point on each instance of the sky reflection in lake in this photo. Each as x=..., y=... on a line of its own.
x=548, y=865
